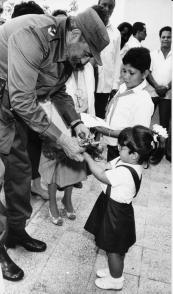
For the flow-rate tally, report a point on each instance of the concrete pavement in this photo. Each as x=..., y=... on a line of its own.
x=68, y=265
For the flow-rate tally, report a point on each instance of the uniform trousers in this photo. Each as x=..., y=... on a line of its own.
x=17, y=179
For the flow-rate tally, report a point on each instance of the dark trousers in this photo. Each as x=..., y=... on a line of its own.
x=101, y=100
x=165, y=118
x=34, y=152
x=17, y=179
x=164, y=110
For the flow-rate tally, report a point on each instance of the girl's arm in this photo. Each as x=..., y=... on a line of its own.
x=108, y=132
x=97, y=170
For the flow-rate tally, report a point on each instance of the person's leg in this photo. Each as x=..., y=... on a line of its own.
x=10, y=270
x=53, y=207
x=116, y=264
x=17, y=187
x=67, y=202
x=17, y=180
x=168, y=149
x=165, y=112
x=165, y=118
x=34, y=151
x=112, y=278
x=101, y=100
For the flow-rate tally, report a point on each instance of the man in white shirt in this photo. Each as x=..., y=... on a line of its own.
x=138, y=35
x=160, y=78
x=109, y=72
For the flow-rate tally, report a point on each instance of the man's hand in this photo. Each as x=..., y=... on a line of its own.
x=161, y=91
x=71, y=147
x=82, y=131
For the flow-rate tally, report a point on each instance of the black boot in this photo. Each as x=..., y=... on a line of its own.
x=10, y=270
x=21, y=238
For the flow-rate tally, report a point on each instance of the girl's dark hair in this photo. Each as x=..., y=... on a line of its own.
x=138, y=57
x=140, y=139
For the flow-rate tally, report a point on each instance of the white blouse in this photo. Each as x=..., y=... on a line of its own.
x=123, y=187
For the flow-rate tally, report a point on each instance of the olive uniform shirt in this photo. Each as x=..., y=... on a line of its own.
x=33, y=61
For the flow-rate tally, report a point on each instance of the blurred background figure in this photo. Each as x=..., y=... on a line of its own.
x=46, y=6
x=7, y=10
x=108, y=75
x=29, y=7
x=2, y=20
x=139, y=34
x=160, y=78
x=59, y=12
x=125, y=29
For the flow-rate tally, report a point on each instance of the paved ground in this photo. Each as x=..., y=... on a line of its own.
x=68, y=266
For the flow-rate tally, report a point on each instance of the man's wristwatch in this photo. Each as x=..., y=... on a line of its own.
x=76, y=124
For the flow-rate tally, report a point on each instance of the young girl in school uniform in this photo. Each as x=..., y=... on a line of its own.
x=112, y=218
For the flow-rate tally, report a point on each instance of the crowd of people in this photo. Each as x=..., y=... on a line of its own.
x=54, y=68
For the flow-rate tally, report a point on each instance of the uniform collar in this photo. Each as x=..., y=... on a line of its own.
x=140, y=87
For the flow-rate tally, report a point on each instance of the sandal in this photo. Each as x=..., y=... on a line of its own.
x=56, y=220
x=69, y=215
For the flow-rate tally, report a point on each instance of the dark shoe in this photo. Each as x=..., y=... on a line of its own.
x=78, y=185
x=21, y=238
x=10, y=270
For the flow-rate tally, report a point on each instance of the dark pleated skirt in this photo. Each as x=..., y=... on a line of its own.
x=113, y=225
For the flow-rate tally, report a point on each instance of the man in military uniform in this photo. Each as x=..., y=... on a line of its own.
x=38, y=53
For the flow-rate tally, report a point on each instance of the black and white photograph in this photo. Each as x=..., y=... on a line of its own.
x=85, y=146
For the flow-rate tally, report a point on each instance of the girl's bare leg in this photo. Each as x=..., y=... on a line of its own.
x=52, y=188
x=67, y=201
